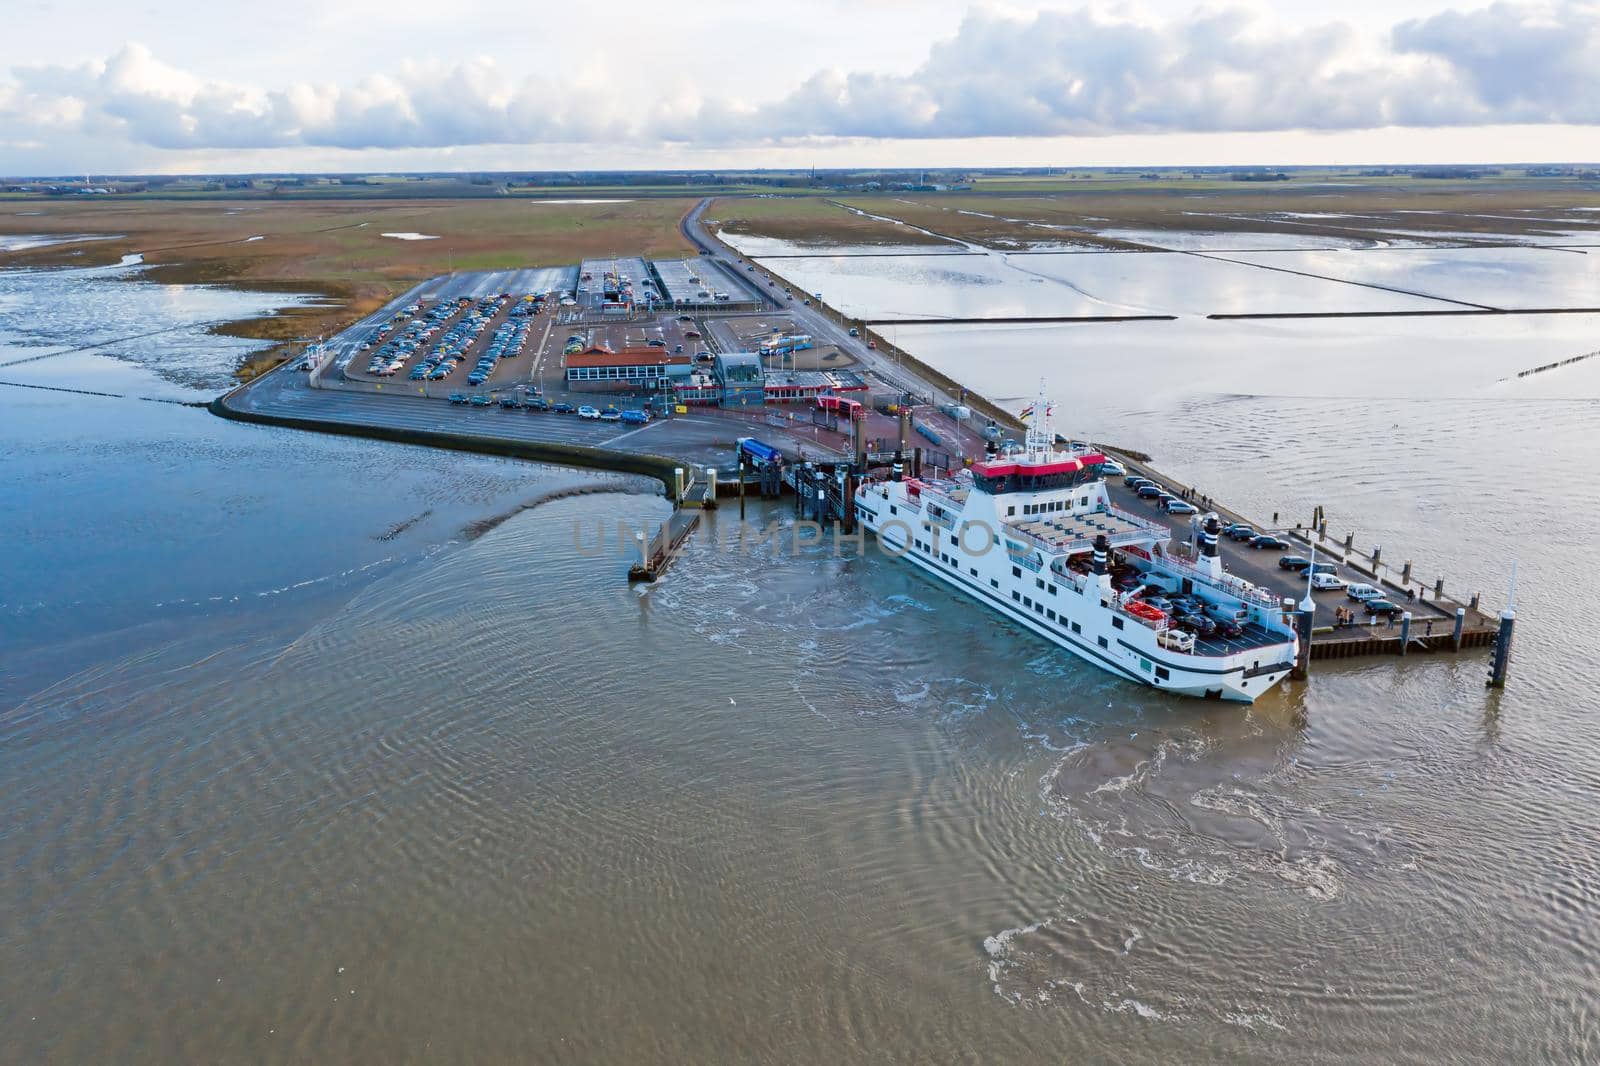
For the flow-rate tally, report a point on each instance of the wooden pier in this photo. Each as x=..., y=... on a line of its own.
x=657, y=551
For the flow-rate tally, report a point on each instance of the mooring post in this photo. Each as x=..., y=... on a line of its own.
x=677, y=485
x=741, y=488
x=916, y=461
x=1438, y=589
x=1377, y=553
x=1461, y=623
x=1476, y=596
x=1405, y=573
x=711, y=485
x=1349, y=542
x=1405, y=631
x=1501, y=664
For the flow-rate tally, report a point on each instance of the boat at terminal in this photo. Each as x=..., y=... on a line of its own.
x=1033, y=535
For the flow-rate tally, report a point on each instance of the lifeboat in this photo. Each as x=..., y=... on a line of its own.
x=1140, y=609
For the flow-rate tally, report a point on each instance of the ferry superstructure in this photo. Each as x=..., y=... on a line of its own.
x=1033, y=536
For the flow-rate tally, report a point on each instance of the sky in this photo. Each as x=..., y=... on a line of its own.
x=184, y=86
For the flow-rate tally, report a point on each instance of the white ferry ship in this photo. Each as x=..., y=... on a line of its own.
x=1033, y=536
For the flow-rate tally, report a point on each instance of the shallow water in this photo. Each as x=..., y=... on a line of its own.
x=296, y=770
x=1071, y=284
x=1495, y=277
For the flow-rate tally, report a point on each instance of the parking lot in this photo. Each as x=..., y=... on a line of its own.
x=702, y=282
x=664, y=331
x=623, y=279
x=487, y=342
x=750, y=333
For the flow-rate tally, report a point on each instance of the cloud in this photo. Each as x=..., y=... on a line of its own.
x=1056, y=73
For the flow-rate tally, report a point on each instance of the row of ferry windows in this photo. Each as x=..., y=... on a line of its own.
x=1038, y=607
x=1047, y=508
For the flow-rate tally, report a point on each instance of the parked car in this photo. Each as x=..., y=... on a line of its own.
x=611, y=414
x=1177, y=506
x=1379, y=606
x=1361, y=592
x=1112, y=468
x=1323, y=568
x=1293, y=562
x=1160, y=603
x=1201, y=625
x=588, y=412
x=1324, y=582
x=537, y=403
x=635, y=417
x=563, y=408
x=1239, y=531
x=1267, y=540
x=1149, y=492
x=480, y=401
x=1227, y=627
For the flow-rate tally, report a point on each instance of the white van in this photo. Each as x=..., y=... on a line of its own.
x=1361, y=593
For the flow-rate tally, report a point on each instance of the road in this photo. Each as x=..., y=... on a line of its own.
x=816, y=321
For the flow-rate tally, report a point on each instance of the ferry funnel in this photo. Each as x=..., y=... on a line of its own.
x=1101, y=548
x=898, y=471
x=1210, y=530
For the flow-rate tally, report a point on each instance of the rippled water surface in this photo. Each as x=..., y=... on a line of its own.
x=298, y=769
